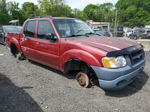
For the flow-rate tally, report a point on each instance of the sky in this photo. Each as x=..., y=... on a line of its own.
x=79, y=4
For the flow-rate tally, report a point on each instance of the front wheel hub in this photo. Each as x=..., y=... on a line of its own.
x=83, y=79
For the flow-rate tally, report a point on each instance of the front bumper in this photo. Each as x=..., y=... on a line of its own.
x=114, y=79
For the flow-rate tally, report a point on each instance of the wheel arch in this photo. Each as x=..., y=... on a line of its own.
x=15, y=42
x=76, y=57
x=73, y=65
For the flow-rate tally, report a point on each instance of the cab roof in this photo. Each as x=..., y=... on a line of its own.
x=49, y=17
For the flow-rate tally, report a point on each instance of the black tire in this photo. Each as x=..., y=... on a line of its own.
x=20, y=56
x=130, y=37
x=16, y=53
x=5, y=41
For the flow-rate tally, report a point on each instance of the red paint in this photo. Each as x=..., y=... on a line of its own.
x=90, y=50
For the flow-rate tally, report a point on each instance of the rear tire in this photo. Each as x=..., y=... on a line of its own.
x=20, y=56
x=16, y=53
x=5, y=41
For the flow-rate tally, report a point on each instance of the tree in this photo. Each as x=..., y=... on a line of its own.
x=29, y=9
x=92, y=12
x=14, y=11
x=79, y=14
x=55, y=8
x=4, y=17
x=133, y=12
x=102, y=12
x=107, y=13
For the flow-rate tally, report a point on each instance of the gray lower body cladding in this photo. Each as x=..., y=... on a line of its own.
x=117, y=78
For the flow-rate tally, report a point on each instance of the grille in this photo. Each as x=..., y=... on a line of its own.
x=137, y=56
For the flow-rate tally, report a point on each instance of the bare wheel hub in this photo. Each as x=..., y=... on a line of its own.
x=82, y=79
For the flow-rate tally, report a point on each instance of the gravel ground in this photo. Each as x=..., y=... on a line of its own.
x=30, y=87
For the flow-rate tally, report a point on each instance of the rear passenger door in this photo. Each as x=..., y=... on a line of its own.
x=48, y=51
x=28, y=42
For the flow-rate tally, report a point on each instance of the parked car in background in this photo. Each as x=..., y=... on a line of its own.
x=102, y=32
x=139, y=34
x=117, y=32
x=71, y=46
x=147, y=34
x=127, y=31
x=4, y=30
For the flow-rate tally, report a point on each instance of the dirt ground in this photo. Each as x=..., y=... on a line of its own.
x=30, y=87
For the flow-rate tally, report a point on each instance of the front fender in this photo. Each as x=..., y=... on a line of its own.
x=81, y=55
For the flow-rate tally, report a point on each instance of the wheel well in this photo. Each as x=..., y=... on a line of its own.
x=13, y=49
x=73, y=66
x=76, y=65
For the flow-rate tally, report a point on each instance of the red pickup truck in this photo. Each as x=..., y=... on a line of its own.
x=69, y=45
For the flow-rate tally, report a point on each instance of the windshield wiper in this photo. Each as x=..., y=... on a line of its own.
x=92, y=33
x=77, y=35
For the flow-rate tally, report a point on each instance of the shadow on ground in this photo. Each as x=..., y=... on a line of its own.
x=15, y=99
x=132, y=88
x=72, y=76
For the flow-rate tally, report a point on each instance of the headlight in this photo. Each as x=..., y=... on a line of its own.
x=114, y=62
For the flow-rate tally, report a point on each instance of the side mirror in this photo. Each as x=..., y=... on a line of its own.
x=51, y=37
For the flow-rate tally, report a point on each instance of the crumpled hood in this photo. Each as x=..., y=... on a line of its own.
x=107, y=44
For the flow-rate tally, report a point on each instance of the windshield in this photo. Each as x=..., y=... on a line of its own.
x=12, y=29
x=68, y=28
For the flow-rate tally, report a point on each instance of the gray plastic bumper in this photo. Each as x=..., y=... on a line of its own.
x=117, y=78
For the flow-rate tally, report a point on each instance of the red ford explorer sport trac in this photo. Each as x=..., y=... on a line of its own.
x=71, y=46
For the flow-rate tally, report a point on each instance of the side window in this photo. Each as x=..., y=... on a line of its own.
x=29, y=29
x=44, y=30
x=64, y=29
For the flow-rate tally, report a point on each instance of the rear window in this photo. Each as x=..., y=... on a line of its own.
x=29, y=29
